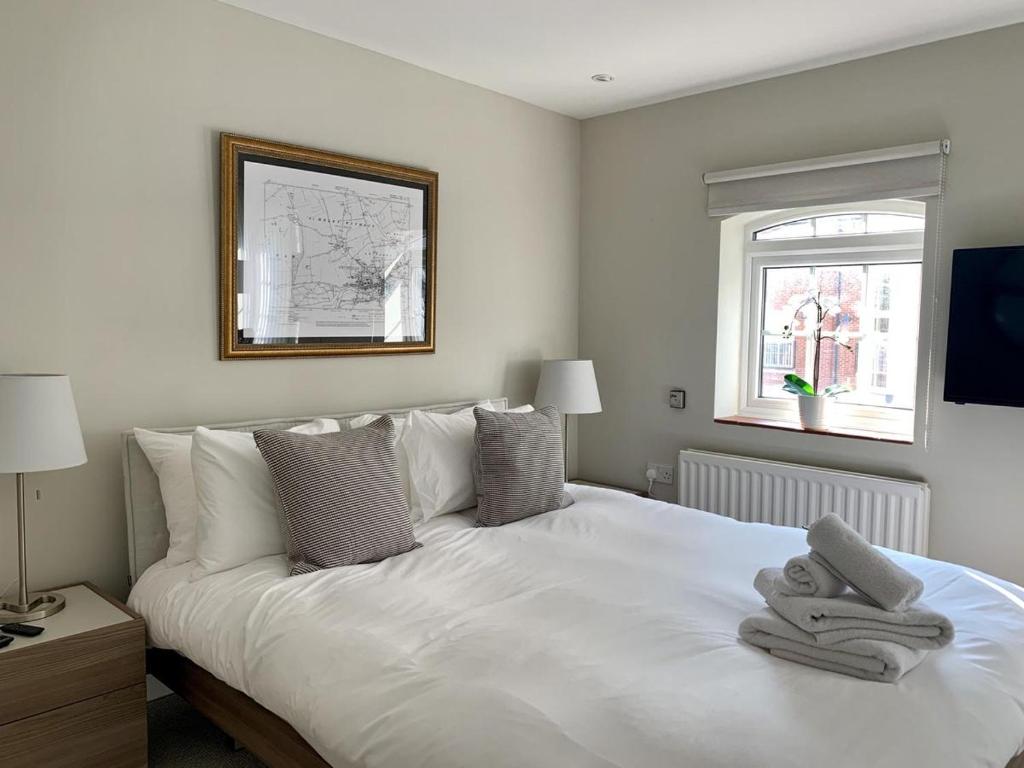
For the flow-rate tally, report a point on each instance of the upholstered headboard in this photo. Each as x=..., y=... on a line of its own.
x=147, y=525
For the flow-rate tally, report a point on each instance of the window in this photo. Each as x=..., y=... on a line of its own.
x=865, y=267
x=778, y=353
x=878, y=373
x=883, y=294
x=842, y=224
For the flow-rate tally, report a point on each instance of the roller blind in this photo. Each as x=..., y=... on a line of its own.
x=910, y=171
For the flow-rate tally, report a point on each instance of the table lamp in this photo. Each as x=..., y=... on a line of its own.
x=570, y=386
x=38, y=432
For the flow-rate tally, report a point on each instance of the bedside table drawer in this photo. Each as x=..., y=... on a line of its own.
x=108, y=731
x=50, y=675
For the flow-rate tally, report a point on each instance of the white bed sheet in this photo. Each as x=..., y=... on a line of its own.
x=599, y=635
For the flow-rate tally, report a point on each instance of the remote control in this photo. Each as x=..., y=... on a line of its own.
x=5, y=640
x=25, y=630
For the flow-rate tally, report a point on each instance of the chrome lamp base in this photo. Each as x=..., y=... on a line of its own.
x=26, y=606
x=39, y=606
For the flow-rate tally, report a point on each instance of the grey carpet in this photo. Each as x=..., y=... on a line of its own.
x=179, y=737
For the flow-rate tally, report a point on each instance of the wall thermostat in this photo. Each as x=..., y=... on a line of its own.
x=677, y=398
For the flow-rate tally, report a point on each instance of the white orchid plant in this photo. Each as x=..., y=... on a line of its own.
x=822, y=308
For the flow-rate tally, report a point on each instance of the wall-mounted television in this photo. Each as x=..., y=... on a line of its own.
x=985, y=349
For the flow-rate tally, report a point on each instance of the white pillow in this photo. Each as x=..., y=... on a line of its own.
x=239, y=518
x=169, y=456
x=440, y=452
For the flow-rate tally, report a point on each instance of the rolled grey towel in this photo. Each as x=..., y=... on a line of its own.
x=876, y=660
x=806, y=577
x=834, y=620
x=846, y=554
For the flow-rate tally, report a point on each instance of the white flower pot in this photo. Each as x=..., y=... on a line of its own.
x=813, y=412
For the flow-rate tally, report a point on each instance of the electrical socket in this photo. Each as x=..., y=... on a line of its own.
x=662, y=472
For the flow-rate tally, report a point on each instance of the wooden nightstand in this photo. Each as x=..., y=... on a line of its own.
x=75, y=696
x=633, y=491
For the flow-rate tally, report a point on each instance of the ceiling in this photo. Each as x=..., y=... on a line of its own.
x=545, y=51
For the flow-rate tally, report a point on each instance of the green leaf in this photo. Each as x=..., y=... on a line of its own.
x=800, y=384
x=836, y=389
x=793, y=390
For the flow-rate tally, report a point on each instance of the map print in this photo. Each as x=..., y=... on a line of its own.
x=331, y=257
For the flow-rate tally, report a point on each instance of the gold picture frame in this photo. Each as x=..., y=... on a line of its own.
x=324, y=254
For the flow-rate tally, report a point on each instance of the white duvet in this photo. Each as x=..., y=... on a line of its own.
x=599, y=635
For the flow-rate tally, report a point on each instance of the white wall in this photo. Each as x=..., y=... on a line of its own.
x=108, y=212
x=649, y=267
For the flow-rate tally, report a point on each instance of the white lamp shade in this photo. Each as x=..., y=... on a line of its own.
x=38, y=424
x=569, y=385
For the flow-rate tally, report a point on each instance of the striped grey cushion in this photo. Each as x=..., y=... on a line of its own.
x=341, y=494
x=519, y=464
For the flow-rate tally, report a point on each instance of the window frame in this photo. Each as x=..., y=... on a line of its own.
x=888, y=248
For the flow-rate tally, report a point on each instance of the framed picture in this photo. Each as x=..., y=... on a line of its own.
x=324, y=254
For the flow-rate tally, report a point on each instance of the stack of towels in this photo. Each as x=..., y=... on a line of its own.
x=878, y=631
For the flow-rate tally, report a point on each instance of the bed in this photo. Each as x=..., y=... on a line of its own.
x=603, y=634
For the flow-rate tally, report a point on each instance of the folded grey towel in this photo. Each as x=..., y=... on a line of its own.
x=832, y=620
x=804, y=576
x=846, y=554
x=876, y=660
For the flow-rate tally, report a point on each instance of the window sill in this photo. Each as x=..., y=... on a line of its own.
x=789, y=426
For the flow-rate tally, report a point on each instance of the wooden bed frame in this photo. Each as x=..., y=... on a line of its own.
x=264, y=734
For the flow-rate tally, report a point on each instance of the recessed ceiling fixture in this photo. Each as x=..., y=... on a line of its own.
x=602, y=77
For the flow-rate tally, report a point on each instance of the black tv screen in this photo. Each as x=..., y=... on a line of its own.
x=985, y=350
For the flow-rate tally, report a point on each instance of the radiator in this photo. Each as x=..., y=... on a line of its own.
x=890, y=513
